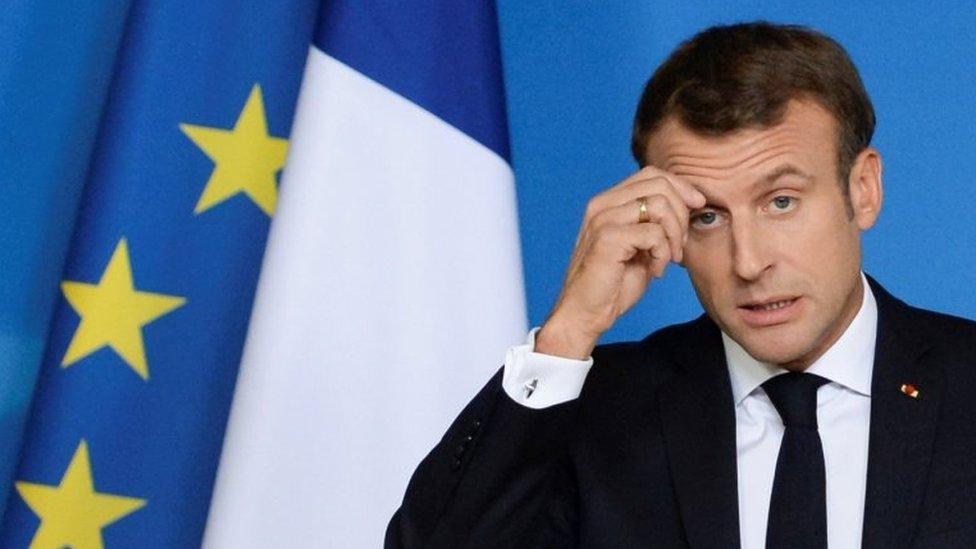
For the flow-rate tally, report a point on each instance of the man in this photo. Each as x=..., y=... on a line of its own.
x=807, y=407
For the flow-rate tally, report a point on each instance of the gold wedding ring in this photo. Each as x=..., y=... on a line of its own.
x=643, y=216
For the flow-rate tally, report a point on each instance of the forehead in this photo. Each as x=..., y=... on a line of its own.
x=806, y=138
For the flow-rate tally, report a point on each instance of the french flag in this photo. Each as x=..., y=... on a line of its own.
x=392, y=282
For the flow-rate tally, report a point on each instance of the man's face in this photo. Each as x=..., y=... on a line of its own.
x=775, y=254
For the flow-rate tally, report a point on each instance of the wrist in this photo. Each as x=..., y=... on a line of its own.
x=556, y=338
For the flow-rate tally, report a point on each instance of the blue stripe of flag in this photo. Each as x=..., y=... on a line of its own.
x=443, y=56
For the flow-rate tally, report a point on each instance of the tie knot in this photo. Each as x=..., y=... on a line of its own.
x=794, y=395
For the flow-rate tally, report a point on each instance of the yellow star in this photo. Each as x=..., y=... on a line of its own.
x=72, y=513
x=246, y=158
x=113, y=313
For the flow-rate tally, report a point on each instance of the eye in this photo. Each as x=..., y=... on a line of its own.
x=705, y=219
x=783, y=203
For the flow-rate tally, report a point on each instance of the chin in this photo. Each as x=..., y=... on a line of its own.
x=776, y=348
x=773, y=354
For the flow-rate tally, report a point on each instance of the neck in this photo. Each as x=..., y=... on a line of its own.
x=851, y=307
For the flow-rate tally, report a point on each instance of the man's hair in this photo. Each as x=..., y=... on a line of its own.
x=728, y=78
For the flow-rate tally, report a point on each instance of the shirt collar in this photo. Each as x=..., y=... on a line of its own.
x=848, y=362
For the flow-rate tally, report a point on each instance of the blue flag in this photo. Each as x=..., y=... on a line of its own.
x=132, y=397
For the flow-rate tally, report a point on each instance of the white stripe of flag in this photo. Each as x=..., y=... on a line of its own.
x=391, y=288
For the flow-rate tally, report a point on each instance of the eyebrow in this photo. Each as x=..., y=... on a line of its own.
x=781, y=171
x=765, y=181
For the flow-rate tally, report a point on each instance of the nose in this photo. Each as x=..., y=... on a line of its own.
x=750, y=254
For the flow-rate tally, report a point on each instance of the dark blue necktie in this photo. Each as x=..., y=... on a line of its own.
x=798, y=506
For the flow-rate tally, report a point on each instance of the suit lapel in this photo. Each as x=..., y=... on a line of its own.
x=699, y=430
x=902, y=428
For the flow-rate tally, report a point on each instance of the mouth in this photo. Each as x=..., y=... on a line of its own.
x=770, y=312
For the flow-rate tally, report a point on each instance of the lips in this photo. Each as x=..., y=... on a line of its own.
x=770, y=304
x=771, y=311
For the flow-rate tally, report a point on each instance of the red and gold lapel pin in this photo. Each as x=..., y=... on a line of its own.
x=909, y=390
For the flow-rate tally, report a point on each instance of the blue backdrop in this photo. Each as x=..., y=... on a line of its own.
x=574, y=71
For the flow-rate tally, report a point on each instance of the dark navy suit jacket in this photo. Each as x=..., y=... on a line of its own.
x=646, y=457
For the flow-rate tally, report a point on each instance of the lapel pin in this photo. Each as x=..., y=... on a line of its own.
x=530, y=386
x=909, y=390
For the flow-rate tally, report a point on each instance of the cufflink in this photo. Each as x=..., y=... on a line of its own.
x=910, y=390
x=530, y=386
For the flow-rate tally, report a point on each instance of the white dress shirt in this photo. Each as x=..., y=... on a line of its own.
x=536, y=380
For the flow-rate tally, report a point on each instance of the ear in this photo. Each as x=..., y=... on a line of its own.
x=865, y=188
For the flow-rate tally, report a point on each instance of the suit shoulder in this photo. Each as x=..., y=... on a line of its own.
x=931, y=326
x=946, y=329
x=648, y=352
x=948, y=341
x=950, y=346
x=648, y=360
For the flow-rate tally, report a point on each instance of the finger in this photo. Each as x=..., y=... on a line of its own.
x=665, y=216
x=652, y=247
x=623, y=242
x=609, y=197
x=659, y=211
x=688, y=193
x=657, y=187
x=654, y=188
x=643, y=188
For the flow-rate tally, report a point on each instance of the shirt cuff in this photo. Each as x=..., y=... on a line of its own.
x=538, y=381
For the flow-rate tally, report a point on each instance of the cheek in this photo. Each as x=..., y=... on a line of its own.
x=698, y=260
x=820, y=238
x=707, y=263
x=706, y=251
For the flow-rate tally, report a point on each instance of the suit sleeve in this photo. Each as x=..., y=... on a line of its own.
x=500, y=477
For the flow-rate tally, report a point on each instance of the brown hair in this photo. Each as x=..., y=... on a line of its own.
x=739, y=76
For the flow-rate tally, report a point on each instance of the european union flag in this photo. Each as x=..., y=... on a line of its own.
x=132, y=398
